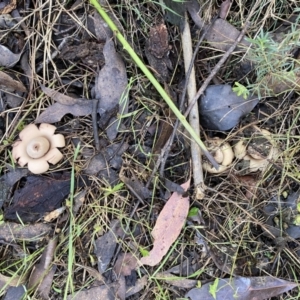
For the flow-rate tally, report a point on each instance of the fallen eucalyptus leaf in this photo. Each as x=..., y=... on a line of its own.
x=41, y=276
x=110, y=87
x=7, y=58
x=65, y=105
x=221, y=108
x=102, y=292
x=55, y=112
x=245, y=288
x=222, y=35
x=168, y=226
x=105, y=246
x=8, y=84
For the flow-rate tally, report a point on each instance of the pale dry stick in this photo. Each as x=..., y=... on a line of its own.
x=164, y=154
x=194, y=113
x=216, y=68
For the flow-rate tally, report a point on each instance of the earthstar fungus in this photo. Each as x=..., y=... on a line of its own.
x=37, y=147
x=222, y=153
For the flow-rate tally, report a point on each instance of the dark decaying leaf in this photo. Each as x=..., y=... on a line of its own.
x=12, y=232
x=7, y=58
x=8, y=84
x=110, y=85
x=193, y=7
x=39, y=196
x=41, y=276
x=8, y=180
x=221, y=108
x=139, y=285
x=15, y=293
x=108, y=157
x=251, y=288
x=105, y=246
x=7, y=22
x=102, y=292
x=175, y=12
x=168, y=226
x=55, y=112
x=136, y=187
x=97, y=163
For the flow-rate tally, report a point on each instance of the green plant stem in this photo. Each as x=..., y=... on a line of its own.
x=152, y=79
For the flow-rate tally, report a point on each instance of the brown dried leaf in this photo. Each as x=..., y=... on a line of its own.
x=139, y=285
x=249, y=183
x=222, y=35
x=177, y=281
x=105, y=247
x=12, y=232
x=9, y=7
x=257, y=288
x=111, y=84
x=224, y=9
x=157, y=51
x=39, y=196
x=168, y=226
x=55, y=112
x=8, y=84
x=65, y=105
x=125, y=263
x=61, y=98
x=102, y=292
x=7, y=58
x=41, y=275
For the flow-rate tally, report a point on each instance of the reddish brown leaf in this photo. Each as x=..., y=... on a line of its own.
x=168, y=226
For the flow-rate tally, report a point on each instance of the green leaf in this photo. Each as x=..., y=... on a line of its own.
x=213, y=288
x=144, y=252
x=241, y=90
x=193, y=212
